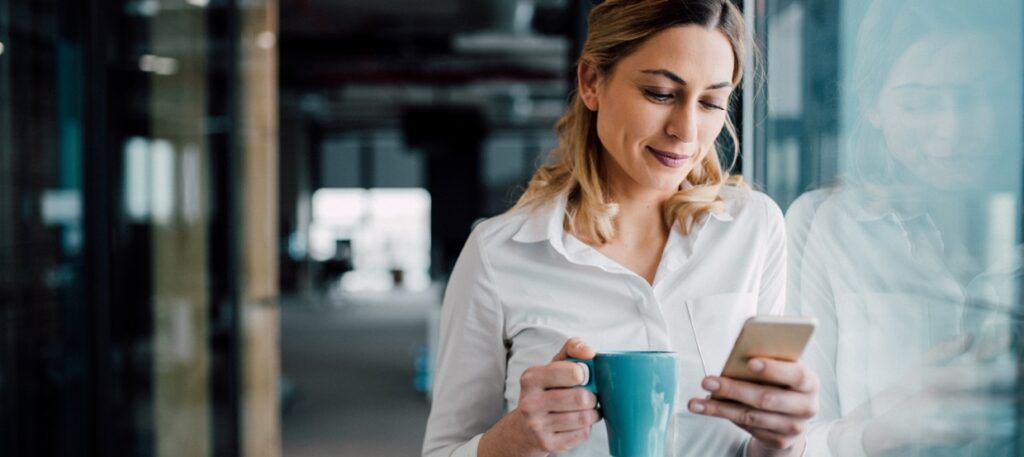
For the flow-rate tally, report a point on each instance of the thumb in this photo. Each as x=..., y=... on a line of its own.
x=574, y=347
x=947, y=350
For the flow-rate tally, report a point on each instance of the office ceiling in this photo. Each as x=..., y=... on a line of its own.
x=360, y=63
x=327, y=42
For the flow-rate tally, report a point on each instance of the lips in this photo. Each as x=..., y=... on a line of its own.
x=668, y=159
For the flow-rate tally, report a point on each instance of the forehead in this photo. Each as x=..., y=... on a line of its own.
x=947, y=59
x=699, y=55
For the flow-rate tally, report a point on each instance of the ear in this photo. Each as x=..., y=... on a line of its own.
x=588, y=79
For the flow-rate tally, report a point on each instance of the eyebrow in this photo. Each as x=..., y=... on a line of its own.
x=681, y=81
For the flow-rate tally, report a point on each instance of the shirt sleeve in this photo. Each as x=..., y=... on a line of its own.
x=810, y=294
x=772, y=296
x=468, y=387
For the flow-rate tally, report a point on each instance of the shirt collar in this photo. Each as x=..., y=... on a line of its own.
x=543, y=222
x=546, y=221
x=865, y=207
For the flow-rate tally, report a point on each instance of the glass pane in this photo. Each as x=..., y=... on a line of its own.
x=894, y=142
x=125, y=181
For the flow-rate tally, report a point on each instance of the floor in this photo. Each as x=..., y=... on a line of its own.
x=352, y=371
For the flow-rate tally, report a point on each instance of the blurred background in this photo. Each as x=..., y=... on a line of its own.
x=226, y=225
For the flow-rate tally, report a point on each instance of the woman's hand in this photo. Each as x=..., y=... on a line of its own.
x=775, y=413
x=964, y=392
x=552, y=415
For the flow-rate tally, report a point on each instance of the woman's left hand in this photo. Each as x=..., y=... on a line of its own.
x=774, y=413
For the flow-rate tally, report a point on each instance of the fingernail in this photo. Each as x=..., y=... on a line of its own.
x=583, y=373
x=756, y=365
x=711, y=385
x=696, y=407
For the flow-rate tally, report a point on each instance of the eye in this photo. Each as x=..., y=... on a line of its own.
x=659, y=97
x=712, y=105
x=916, y=102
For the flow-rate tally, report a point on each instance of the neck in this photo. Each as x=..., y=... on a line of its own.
x=640, y=214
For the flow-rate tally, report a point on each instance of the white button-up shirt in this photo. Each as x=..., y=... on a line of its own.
x=523, y=286
x=887, y=289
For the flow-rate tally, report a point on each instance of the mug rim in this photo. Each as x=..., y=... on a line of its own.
x=636, y=353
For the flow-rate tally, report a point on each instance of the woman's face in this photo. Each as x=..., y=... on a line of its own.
x=661, y=108
x=938, y=109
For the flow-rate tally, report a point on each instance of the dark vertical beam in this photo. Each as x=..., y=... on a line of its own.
x=224, y=230
x=99, y=235
x=367, y=165
x=316, y=136
x=821, y=43
x=579, y=11
x=74, y=389
x=736, y=113
x=8, y=327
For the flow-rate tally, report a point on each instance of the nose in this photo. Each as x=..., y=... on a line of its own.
x=682, y=123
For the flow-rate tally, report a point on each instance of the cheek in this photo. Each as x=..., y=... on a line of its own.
x=623, y=125
x=900, y=130
x=709, y=129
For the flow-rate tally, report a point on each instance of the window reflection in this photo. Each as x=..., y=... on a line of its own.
x=909, y=256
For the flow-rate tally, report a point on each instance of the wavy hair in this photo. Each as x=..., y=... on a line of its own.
x=617, y=28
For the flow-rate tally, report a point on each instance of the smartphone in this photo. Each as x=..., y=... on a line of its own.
x=772, y=337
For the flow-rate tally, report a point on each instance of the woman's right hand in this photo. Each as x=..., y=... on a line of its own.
x=552, y=415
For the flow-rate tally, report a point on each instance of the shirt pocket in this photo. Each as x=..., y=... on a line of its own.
x=717, y=321
x=883, y=336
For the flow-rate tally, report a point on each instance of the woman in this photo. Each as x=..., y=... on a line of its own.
x=895, y=261
x=634, y=238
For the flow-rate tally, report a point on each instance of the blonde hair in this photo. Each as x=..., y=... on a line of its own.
x=616, y=29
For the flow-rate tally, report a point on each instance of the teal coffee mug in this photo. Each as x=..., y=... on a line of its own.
x=636, y=391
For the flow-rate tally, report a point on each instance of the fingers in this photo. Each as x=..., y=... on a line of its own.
x=576, y=420
x=768, y=398
x=574, y=347
x=552, y=375
x=748, y=417
x=558, y=415
x=559, y=432
x=770, y=439
x=564, y=441
x=557, y=400
x=975, y=377
x=947, y=350
x=562, y=400
x=794, y=375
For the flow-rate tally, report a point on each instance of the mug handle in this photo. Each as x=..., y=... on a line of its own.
x=588, y=373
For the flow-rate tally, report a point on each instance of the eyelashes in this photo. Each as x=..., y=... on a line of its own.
x=668, y=98
x=659, y=97
x=713, y=106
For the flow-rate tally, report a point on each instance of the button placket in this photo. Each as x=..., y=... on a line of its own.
x=652, y=314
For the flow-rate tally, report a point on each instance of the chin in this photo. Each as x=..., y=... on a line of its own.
x=667, y=183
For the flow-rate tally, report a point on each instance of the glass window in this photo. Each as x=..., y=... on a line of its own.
x=128, y=174
x=892, y=138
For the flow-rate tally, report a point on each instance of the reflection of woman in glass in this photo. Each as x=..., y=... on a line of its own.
x=633, y=239
x=893, y=260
